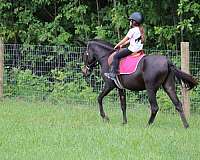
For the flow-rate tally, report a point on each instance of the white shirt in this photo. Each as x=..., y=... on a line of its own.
x=134, y=36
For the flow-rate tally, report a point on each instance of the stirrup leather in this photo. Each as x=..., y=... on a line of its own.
x=118, y=83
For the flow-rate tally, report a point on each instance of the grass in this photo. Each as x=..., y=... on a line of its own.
x=47, y=131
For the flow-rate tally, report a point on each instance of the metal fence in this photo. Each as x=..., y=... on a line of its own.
x=54, y=73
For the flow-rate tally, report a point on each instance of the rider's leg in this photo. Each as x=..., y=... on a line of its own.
x=115, y=64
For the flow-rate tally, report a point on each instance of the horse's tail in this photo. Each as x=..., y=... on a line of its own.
x=188, y=80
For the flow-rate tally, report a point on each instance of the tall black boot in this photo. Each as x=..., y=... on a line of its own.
x=112, y=74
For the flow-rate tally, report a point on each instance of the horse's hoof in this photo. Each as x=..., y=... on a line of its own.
x=106, y=119
x=125, y=122
x=148, y=125
x=186, y=126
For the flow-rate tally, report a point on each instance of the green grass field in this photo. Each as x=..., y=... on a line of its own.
x=45, y=131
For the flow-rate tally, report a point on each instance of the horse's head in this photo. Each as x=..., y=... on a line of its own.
x=89, y=62
x=97, y=51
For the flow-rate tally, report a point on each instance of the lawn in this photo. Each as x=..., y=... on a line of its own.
x=42, y=130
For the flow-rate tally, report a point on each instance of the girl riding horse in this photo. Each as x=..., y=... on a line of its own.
x=135, y=37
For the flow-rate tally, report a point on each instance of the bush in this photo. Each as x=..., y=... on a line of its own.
x=24, y=83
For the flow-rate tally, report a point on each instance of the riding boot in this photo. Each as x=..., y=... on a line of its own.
x=113, y=73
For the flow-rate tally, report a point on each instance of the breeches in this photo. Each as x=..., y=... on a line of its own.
x=116, y=58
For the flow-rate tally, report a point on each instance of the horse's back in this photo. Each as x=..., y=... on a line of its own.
x=155, y=69
x=155, y=63
x=152, y=70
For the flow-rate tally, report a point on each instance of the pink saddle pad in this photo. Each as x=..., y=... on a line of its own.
x=129, y=64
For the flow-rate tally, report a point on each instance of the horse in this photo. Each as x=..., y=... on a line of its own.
x=153, y=72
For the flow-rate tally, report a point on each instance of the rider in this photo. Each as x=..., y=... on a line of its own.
x=135, y=37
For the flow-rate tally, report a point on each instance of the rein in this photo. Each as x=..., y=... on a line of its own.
x=94, y=64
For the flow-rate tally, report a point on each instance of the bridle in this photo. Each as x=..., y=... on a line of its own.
x=91, y=65
x=94, y=63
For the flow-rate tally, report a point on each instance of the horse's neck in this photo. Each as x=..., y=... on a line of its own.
x=102, y=55
x=104, y=67
x=103, y=61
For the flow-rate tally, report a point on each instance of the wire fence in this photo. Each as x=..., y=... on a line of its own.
x=54, y=73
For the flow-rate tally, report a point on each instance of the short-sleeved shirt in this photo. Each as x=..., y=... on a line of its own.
x=134, y=36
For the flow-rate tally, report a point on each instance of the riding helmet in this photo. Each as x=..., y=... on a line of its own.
x=136, y=16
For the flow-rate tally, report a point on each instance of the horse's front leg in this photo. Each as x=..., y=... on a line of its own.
x=122, y=96
x=107, y=88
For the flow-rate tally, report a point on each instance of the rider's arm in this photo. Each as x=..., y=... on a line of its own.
x=125, y=43
x=122, y=42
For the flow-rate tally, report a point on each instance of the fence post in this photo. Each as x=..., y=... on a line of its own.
x=1, y=66
x=185, y=68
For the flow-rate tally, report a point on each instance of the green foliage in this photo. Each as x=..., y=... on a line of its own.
x=166, y=35
x=164, y=101
x=24, y=83
x=194, y=99
x=64, y=21
x=189, y=12
x=119, y=19
x=63, y=88
x=101, y=32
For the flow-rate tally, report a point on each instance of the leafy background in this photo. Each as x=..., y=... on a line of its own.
x=62, y=22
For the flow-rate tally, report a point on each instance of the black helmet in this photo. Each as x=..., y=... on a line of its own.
x=136, y=16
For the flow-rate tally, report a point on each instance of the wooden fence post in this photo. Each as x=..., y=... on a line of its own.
x=1, y=66
x=185, y=68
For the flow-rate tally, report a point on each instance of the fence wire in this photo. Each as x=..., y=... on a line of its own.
x=54, y=73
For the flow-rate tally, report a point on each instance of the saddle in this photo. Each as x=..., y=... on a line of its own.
x=127, y=65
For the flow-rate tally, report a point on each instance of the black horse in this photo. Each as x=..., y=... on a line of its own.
x=153, y=72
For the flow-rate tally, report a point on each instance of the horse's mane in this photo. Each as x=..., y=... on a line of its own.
x=103, y=43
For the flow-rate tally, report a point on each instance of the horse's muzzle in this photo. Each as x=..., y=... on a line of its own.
x=85, y=71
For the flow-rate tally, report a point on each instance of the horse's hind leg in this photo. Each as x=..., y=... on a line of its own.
x=153, y=102
x=122, y=95
x=105, y=91
x=169, y=87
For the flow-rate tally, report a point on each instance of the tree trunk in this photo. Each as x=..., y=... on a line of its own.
x=97, y=4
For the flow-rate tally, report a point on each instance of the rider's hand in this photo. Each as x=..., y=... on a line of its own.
x=118, y=46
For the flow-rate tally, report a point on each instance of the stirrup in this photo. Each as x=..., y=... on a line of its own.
x=110, y=75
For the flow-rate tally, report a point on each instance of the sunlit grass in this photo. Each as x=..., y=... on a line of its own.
x=46, y=131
